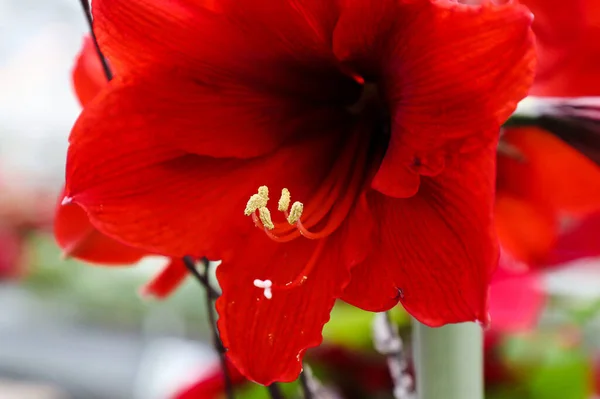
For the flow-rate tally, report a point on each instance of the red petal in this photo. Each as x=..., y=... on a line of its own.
x=211, y=385
x=436, y=249
x=168, y=280
x=225, y=122
x=232, y=47
x=552, y=172
x=580, y=240
x=139, y=188
x=527, y=230
x=266, y=339
x=568, y=48
x=301, y=27
x=79, y=239
x=88, y=76
x=516, y=300
x=451, y=72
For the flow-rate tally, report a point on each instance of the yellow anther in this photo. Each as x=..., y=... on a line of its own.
x=265, y=218
x=263, y=191
x=254, y=203
x=284, y=200
x=257, y=201
x=295, y=212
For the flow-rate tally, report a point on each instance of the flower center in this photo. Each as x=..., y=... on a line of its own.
x=368, y=97
x=318, y=218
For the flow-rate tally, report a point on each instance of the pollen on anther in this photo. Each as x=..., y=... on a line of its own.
x=257, y=201
x=295, y=212
x=284, y=200
x=263, y=191
x=265, y=218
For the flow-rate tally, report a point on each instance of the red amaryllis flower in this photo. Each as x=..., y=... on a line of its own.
x=541, y=189
x=516, y=297
x=567, y=46
x=73, y=231
x=211, y=385
x=545, y=187
x=380, y=117
x=579, y=240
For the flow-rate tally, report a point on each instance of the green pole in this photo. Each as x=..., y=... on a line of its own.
x=448, y=361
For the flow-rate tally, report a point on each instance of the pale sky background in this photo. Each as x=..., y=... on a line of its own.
x=38, y=42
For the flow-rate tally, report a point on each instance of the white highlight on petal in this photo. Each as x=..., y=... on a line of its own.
x=66, y=200
x=266, y=286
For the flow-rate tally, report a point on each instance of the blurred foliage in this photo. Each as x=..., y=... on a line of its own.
x=545, y=365
x=108, y=295
x=551, y=362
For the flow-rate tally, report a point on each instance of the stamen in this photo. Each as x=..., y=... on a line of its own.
x=295, y=212
x=284, y=200
x=257, y=201
x=266, y=286
x=265, y=218
x=328, y=206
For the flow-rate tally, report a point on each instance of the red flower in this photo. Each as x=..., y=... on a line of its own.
x=546, y=187
x=568, y=48
x=538, y=189
x=73, y=231
x=381, y=117
x=212, y=383
x=516, y=298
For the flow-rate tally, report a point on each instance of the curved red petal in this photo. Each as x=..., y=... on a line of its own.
x=527, y=230
x=452, y=73
x=168, y=280
x=79, y=239
x=88, y=75
x=139, y=188
x=266, y=339
x=218, y=48
x=568, y=47
x=437, y=249
x=551, y=172
x=197, y=118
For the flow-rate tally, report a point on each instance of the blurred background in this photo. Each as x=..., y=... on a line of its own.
x=73, y=330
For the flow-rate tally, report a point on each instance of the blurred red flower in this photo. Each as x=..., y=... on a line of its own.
x=539, y=195
x=23, y=210
x=545, y=187
x=73, y=231
x=212, y=383
x=568, y=48
x=382, y=117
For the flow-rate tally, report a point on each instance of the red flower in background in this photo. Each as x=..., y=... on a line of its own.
x=546, y=187
x=73, y=231
x=540, y=191
x=381, y=117
x=211, y=385
x=516, y=298
x=568, y=48
x=23, y=210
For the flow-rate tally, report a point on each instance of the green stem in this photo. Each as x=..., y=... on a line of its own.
x=449, y=361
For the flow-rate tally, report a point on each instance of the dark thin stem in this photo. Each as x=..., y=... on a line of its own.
x=190, y=263
x=307, y=389
x=88, y=16
x=215, y=332
x=275, y=391
x=211, y=295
